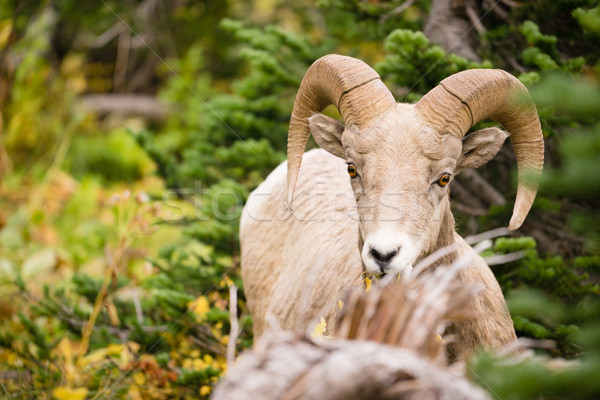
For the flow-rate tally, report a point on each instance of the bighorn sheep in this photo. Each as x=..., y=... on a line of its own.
x=401, y=158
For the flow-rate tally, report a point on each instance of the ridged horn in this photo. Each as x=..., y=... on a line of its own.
x=349, y=84
x=465, y=98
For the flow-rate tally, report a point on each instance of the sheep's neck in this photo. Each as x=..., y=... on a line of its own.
x=445, y=238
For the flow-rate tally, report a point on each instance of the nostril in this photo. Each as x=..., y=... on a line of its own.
x=383, y=257
x=376, y=255
x=390, y=255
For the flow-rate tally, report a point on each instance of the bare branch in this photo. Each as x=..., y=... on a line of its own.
x=460, y=193
x=397, y=10
x=499, y=11
x=480, y=237
x=235, y=326
x=482, y=188
x=127, y=105
x=471, y=12
x=504, y=258
x=105, y=37
x=465, y=209
x=5, y=161
x=511, y=3
x=122, y=60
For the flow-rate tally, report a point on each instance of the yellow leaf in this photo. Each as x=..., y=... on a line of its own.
x=94, y=357
x=6, y=29
x=221, y=363
x=208, y=359
x=340, y=304
x=65, y=349
x=367, y=284
x=115, y=348
x=139, y=378
x=134, y=393
x=67, y=393
x=199, y=306
x=205, y=390
x=321, y=328
x=199, y=364
x=226, y=282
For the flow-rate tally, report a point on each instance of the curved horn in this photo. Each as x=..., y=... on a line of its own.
x=349, y=84
x=465, y=98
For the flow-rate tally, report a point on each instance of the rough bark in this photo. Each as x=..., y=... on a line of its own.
x=449, y=26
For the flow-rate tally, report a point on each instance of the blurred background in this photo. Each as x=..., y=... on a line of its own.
x=131, y=133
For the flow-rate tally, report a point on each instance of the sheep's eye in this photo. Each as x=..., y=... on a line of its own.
x=352, y=171
x=444, y=180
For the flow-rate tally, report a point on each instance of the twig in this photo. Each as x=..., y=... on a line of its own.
x=106, y=36
x=499, y=11
x=513, y=63
x=138, y=306
x=504, y=258
x=511, y=3
x=474, y=18
x=100, y=299
x=5, y=161
x=126, y=104
x=480, y=237
x=465, y=209
x=122, y=61
x=235, y=327
x=461, y=193
x=481, y=188
x=522, y=343
x=396, y=10
x=205, y=344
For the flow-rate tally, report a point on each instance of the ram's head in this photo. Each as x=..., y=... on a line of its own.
x=402, y=157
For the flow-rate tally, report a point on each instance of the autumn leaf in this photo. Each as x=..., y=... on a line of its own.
x=200, y=306
x=320, y=328
x=67, y=393
x=367, y=284
x=205, y=390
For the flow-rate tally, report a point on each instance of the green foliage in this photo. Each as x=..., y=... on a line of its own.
x=169, y=324
x=538, y=377
x=575, y=100
x=38, y=115
x=588, y=19
x=358, y=20
x=428, y=65
x=239, y=135
x=113, y=158
x=555, y=276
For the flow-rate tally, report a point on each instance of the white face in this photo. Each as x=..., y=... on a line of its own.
x=399, y=171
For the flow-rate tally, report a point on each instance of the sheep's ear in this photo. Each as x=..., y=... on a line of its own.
x=327, y=133
x=480, y=147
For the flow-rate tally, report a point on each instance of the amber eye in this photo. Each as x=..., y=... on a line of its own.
x=352, y=171
x=444, y=180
